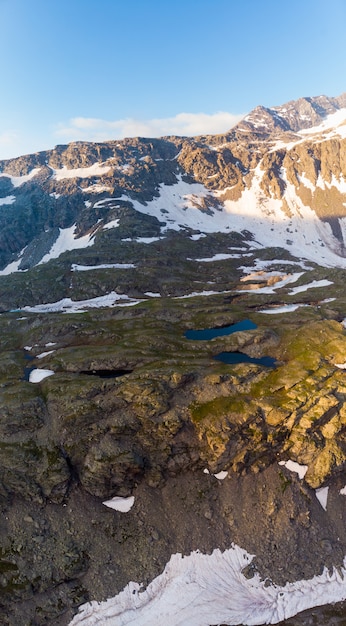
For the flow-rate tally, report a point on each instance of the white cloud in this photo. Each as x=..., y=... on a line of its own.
x=14, y=142
x=95, y=129
x=9, y=141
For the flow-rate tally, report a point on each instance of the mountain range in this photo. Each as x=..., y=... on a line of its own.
x=279, y=174
x=125, y=439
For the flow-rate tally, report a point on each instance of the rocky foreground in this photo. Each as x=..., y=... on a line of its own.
x=135, y=408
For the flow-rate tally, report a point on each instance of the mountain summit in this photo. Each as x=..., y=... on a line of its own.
x=294, y=116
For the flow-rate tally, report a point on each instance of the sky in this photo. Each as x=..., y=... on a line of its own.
x=95, y=70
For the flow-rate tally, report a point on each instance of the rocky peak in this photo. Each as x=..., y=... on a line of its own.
x=262, y=121
x=293, y=116
x=307, y=112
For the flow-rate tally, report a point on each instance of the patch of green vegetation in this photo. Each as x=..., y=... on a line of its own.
x=216, y=408
x=284, y=481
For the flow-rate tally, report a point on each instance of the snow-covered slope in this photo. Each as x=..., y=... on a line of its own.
x=284, y=186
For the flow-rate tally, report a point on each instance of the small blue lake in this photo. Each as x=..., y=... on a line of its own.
x=28, y=369
x=231, y=358
x=210, y=333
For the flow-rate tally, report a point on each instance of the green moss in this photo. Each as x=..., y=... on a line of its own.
x=217, y=408
x=284, y=482
x=53, y=457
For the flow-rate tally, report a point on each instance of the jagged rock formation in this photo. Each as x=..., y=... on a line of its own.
x=150, y=238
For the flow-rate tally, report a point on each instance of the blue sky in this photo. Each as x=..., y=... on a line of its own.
x=103, y=69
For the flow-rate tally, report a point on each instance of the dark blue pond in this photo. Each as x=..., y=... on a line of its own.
x=210, y=333
x=27, y=372
x=231, y=358
x=28, y=369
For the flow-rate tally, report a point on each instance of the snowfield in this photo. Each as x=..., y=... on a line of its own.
x=201, y=589
x=17, y=181
x=37, y=375
x=302, y=234
x=97, y=169
x=193, y=206
x=66, y=305
x=67, y=241
x=7, y=200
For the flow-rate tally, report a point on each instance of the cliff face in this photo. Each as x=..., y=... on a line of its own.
x=146, y=239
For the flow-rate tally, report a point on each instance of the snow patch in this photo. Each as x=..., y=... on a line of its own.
x=44, y=354
x=200, y=293
x=120, y=504
x=292, y=466
x=67, y=241
x=66, y=305
x=17, y=181
x=191, y=205
x=7, y=200
x=143, y=239
x=322, y=496
x=105, y=266
x=286, y=279
x=332, y=121
x=96, y=188
x=221, y=475
x=286, y=308
x=312, y=285
x=197, y=236
x=11, y=267
x=112, y=224
x=202, y=589
x=100, y=203
x=307, y=182
x=97, y=169
x=37, y=375
x=261, y=275
x=217, y=257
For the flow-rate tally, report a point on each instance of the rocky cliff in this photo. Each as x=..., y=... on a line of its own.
x=145, y=240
